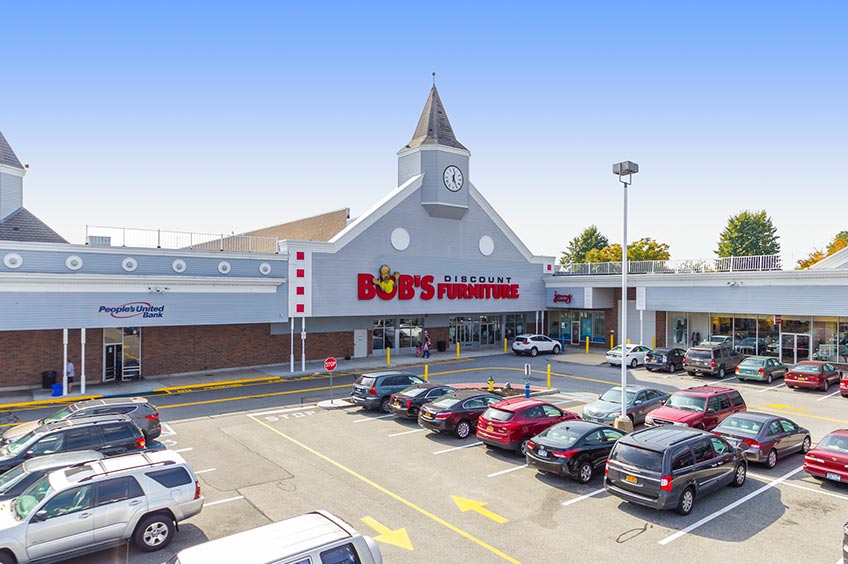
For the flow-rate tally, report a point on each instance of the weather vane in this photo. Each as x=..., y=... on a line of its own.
x=434, y=78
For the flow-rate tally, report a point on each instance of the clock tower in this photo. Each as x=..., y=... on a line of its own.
x=435, y=153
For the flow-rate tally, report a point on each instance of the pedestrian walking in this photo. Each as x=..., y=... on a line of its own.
x=71, y=372
x=426, y=345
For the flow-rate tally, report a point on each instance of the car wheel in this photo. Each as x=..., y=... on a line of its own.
x=739, y=475
x=634, y=363
x=649, y=369
x=534, y=351
x=771, y=459
x=791, y=387
x=721, y=372
x=770, y=379
x=687, y=501
x=154, y=532
x=517, y=353
x=672, y=368
x=805, y=446
x=825, y=385
x=384, y=405
x=585, y=472
x=556, y=349
x=463, y=429
x=6, y=558
x=690, y=373
x=522, y=448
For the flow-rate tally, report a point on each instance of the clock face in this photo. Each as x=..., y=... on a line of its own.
x=453, y=178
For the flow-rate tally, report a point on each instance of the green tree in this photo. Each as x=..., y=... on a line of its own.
x=839, y=242
x=643, y=249
x=590, y=238
x=748, y=234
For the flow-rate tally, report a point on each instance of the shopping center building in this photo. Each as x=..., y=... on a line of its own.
x=431, y=255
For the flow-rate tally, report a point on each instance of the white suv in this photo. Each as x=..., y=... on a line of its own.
x=97, y=505
x=534, y=344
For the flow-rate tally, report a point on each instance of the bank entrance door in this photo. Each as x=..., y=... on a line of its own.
x=113, y=361
x=794, y=347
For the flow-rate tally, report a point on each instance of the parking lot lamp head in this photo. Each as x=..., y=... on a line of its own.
x=625, y=171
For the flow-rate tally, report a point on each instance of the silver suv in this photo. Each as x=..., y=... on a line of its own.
x=97, y=505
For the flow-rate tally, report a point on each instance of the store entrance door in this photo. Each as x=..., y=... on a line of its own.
x=794, y=347
x=113, y=358
x=465, y=334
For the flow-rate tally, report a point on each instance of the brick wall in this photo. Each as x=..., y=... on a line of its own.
x=24, y=355
x=660, y=328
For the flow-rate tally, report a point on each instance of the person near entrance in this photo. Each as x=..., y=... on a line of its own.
x=71, y=372
x=426, y=345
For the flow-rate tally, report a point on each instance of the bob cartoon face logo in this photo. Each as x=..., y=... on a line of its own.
x=386, y=281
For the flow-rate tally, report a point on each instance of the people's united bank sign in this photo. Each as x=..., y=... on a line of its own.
x=132, y=309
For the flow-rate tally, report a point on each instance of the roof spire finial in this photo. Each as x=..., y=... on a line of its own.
x=434, y=78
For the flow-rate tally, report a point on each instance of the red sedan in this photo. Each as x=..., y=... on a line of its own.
x=829, y=459
x=813, y=374
x=511, y=423
x=843, y=386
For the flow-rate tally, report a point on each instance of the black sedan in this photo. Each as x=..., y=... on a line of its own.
x=664, y=359
x=457, y=412
x=764, y=437
x=408, y=401
x=576, y=449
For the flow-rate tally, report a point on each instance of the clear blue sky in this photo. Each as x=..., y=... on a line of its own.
x=204, y=116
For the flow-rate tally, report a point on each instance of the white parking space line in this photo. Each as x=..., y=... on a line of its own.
x=457, y=448
x=726, y=379
x=828, y=396
x=507, y=471
x=373, y=418
x=183, y=449
x=582, y=497
x=407, y=432
x=800, y=487
x=276, y=411
x=204, y=471
x=223, y=501
x=167, y=430
x=771, y=388
x=727, y=508
x=840, y=561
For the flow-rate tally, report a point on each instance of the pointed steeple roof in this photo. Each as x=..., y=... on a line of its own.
x=434, y=128
x=7, y=155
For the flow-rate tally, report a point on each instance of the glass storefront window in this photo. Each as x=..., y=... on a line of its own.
x=383, y=335
x=721, y=326
x=514, y=325
x=132, y=353
x=745, y=338
x=410, y=332
x=679, y=328
x=827, y=343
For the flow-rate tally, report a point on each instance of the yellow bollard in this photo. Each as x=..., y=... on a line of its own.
x=457, y=349
x=388, y=356
x=628, y=341
x=612, y=341
x=505, y=341
x=491, y=382
x=549, y=376
x=653, y=342
x=426, y=373
x=587, y=345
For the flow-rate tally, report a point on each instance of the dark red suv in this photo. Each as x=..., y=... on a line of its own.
x=702, y=407
x=511, y=423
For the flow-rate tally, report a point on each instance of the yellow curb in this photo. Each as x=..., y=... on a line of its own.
x=58, y=400
x=221, y=383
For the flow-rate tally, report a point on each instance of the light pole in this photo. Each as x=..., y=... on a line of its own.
x=624, y=170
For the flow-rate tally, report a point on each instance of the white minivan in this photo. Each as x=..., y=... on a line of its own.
x=313, y=538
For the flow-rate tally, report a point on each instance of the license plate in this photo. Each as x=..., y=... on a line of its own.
x=832, y=476
x=631, y=479
x=802, y=378
x=489, y=428
x=397, y=403
x=543, y=452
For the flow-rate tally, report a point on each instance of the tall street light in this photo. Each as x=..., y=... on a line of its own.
x=624, y=170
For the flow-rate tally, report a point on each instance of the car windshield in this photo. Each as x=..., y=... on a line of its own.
x=63, y=413
x=366, y=380
x=20, y=443
x=687, y=402
x=614, y=396
x=445, y=402
x=12, y=477
x=755, y=362
x=560, y=435
x=835, y=442
x=494, y=414
x=32, y=496
x=811, y=368
x=639, y=457
x=740, y=424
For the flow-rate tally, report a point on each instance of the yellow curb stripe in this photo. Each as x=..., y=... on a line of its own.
x=393, y=495
x=49, y=402
x=242, y=381
x=266, y=395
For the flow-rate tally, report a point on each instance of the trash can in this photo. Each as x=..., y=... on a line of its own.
x=57, y=390
x=441, y=346
x=48, y=378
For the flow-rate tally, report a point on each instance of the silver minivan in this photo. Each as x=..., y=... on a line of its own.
x=313, y=538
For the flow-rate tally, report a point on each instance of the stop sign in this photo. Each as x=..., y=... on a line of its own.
x=330, y=364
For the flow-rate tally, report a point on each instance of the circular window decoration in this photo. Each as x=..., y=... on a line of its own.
x=265, y=269
x=487, y=245
x=178, y=266
x=129, y=264
x=73, y=262
x=400, y=239
x=13, y=260
x=224, y=267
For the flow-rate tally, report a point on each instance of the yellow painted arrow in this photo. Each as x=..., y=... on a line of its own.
x=478, y=507
x=397, y=537
x=784, y=406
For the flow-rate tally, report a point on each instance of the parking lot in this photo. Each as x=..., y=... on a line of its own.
x=435, y=498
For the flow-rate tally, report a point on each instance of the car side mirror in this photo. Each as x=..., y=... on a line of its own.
x=40, y=515
x=29, y=454
x=637, y=402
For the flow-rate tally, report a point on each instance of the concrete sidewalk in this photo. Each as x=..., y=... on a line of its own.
x=228, y=378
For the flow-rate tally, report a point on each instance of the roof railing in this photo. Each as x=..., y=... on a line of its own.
x=685, y=266
x=103, y=236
